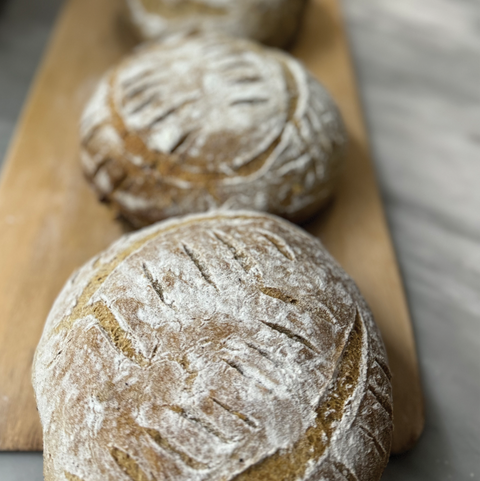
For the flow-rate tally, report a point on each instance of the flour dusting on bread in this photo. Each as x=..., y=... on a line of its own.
x=213, y=347
x=273, y=22
x=202, y=122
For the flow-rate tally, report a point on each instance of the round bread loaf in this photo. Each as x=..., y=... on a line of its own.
x=196, y=123
x=220, y=346
x=273, y=22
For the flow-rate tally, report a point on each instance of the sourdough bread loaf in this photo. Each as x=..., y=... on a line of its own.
x=220, y=346
x=273, y=22
x=196, y=123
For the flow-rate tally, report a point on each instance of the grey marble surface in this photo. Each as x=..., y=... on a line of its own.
x=418, y=64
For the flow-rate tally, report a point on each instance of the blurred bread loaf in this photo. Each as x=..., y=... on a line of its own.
x=201, y=122
x=273, y=22
x=223, y=346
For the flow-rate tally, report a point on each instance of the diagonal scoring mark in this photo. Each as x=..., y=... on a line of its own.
x=239, y=254
x=250, y=101
x=321, y=310
x=200, y=422
x=71, y=477
x=280, y=244
x=155, y=285
x=199, y=265
x=172, y=10
x=163, y=116
x=344, y=471
x=133, y=93
x=385, y=369
x=117, y=335
x=375, y=441
x=237, y=367
x=128, y=465
x=138, y=108
x=166, y=445
x=100, y=164
x=170, y=111
x=135, y=78
x=287, y=332
x=381, y=400
x=141, y=84
x=237, y=414
x=90, y=132
x=182, y=141
x=248, y=80
x=234, y=64
x=262, y=353
x=115, y=173
x=278, y=294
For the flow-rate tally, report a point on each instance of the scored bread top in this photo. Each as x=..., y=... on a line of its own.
x=273, y=22
x=225, y=346
x=199, y=122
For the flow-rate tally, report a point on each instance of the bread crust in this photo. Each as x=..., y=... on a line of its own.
x=222, y=346
x=272, y=22
x=197, y=123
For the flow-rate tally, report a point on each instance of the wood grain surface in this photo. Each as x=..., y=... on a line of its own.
x=51, y=223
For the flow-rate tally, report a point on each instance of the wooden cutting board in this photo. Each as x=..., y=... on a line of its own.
x=51, y=223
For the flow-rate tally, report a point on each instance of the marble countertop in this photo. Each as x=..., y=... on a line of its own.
x=418, y=65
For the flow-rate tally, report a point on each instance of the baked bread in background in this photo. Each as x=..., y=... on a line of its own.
x=201, y=122
x=220, y=346
x=273, y=22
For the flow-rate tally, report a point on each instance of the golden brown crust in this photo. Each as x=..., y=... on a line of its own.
x=227, y=346
x=206, y=122
x=272, y=22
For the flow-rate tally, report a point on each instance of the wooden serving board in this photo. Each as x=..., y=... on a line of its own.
x=51, y=222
